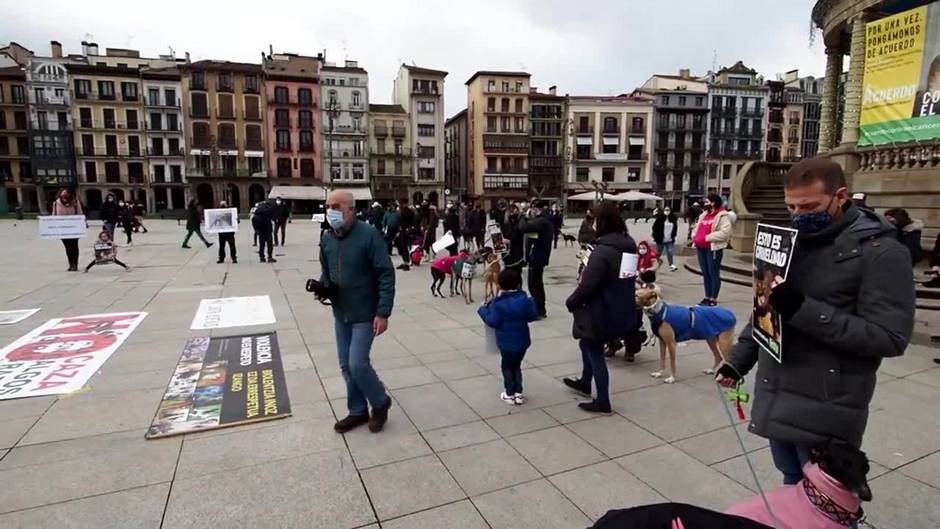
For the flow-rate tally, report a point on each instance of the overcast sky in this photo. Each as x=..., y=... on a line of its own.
x=584, y=47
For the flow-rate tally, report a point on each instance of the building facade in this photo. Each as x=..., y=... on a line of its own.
x=166, y=138
x=420, y=91
x=680, y=126
x=498, y=130
x=15, y=168
x=611, y=139
x=793, y=114
x=344, y=96
x=548, y=116
x=391, y=156
x=456, y=147
x=223, y=109
x=292, y=88
x=737, y=121
x=811, y=87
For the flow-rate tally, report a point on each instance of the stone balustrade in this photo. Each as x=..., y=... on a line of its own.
x=887, y=158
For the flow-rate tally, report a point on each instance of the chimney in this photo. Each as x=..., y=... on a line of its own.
x=187, y=57
x=685, y=73
x=92, y=48
x=552, y=89
x=84, y=48
x=270, y=49
x=352, y=64
x=56, y=49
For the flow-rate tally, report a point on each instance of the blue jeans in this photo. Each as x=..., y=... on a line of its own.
x=511, y=365
x=666, y=249
x=363, y=387
x=710, y=263
x=789, y=459
x=595, y=367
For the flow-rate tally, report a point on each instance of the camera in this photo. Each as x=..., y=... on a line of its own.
x=323, y=292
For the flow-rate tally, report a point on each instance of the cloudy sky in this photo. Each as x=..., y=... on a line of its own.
x=585, y=47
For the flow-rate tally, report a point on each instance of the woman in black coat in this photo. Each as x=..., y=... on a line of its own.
x=909, y=232
x=666, y=241
x=603, y=304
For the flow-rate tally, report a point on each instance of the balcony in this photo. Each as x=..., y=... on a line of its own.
x=164, y=127
x=219, y=172
x=52, y=126
x=737, y=153
x=794, y=121
x=251, y=87
x=253, y=145
x=251, y=116
x=166, y=153
x=514, y=179
x=404, y=152
x=725, y=111
x=398, y=132
x=611, y=131
x=104, y=152
x=197, y=84
x=495, y=89
x=347, y=129
x=356, y=107
x=752, y=113
x=427, y=91
x=638, y=131
x=225, y=114
x=62, y=100
x=380, y=131
x=163, y=103
x=109, y=124
x=199, y=113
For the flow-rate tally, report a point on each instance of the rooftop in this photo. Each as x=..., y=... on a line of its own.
x=290, y=65
x=209, y=65
x=496, y=73
x=387, y=109
x=426, y=71
x=738, y=68
x=458, y=115
x=161, y=73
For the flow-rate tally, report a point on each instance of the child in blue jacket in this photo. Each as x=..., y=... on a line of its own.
x=509, y=315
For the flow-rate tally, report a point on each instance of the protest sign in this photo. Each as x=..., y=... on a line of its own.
x=628, y=265
x=223, y=220
x=221, y=382
x=773, y=252
x=443, y=242
x=9, y=317
x=233, y=312
x=105, y=252
x=60, y=355
x=497, y=241
x=62, y=227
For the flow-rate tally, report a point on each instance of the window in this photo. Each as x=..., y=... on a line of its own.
x=281, y=118
x=306, y=141
x=665, y=100
x=358, y=173
x=581, y=174
x=282, y=140
x=105, y=90
x=305, y=119
x=306, y=168
x=112, y=172
x=357, y=124
x=174, y=148
x=226, y=136
x=491, y=164
x=491, y=86
x=251, y=84
x=82, y=88
x=425, y=151
x=356, y=99
x=131, y=116
x=583, y=152
x=637, y=125
x=426, y=107
x=199, y=108
x=504, y=124
x=224, y=81
x=91, y=172
x=254, y=165
x=425, y=173
x=156, y=147
x=491, y=104
x=607, y=174
x=153, y=97
x=88, y=144
x=699, y=101
x=519, y=105
x=198, y=81
x=169, y=95
x=425, y=130
x=135, y=172
x=609, y=149
x=253, y=138
x=226, y=106
x=584, y=124
x=159, y=173
x=633, y=174
x=380, y=167
x=200, y=134
x=491, y=124
x=305, y=96
x=283, y=168
x=18, y=94
x=281, y=95
x=504, y=104
x=610, y=125
x=519, y=86
x=129, y=91
x=252, y=109
x=172, y=122
x=109, y=121
x=133, y=145
x=331, y=100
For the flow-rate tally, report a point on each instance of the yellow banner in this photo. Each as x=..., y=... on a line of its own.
x=894, y=52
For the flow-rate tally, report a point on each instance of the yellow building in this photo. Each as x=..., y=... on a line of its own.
x=390, y=156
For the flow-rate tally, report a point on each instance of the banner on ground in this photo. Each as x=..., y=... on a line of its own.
x=221, y=382
x=233, y=312
x=62, y=227
x=9, y=317
x=223, y=220
x=773, y=252
x=901, y=87
x=60, y=355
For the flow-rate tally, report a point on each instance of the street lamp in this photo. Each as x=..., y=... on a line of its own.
x=332, y=111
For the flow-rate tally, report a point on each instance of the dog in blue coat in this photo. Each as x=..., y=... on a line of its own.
x=673, y=324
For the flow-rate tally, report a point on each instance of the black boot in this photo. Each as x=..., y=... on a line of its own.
x=595, y=407
x=379, y=417
x=578, y=385
x=350, y=422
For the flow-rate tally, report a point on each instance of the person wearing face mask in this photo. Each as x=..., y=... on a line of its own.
x=909, y=232
x=263, y=223
x=847, y=303
x=66, y=204
x=712, y=234
x=357, y=268
x=515, y=259
x=126, y=216
x=586, y=233
x=279, y=215
x=193, y=223
x=665, y=228
x=110, y=214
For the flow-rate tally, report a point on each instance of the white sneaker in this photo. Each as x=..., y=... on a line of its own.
x=657, y=374
x=708, y=371
x=520, y=400
x=669, y=380
x=508, y=399
x=673, y=268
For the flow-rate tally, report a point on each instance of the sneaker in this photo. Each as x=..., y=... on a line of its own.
x=657, y=374
x=673, y=268
x=263, y=260
x=234, y=261
x=705, y=302
x=595, y=407
x=670, y=380
x=578, y=385
x=379, y=417
x=272, y=260
x=350, y=422
x=209, y=244
x=507, y=398
x=520, y=400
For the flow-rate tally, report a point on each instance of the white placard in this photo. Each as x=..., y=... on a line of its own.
x=224, y=220
x=318, y=217
x=60, y=355
x=443, y=242
x=62, y=227
x=233, y=312
x=9, y=317
x=628, y=265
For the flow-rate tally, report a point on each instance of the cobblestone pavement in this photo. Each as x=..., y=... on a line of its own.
x=453, y=455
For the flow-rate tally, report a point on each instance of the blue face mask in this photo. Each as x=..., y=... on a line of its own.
x=335, y=218
x=814, y=221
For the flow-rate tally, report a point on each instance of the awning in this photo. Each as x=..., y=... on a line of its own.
x=585, y=140
x=633, y=196
x=590, y=196
x=637, y=141
x=611, y=141
x=298, y=192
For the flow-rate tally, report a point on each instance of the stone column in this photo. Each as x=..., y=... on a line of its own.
x=830, y=99
x=853, y=85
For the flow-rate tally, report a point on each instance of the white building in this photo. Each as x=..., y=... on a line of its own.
x=166, y=138
x=344, y=97
x=420, y=91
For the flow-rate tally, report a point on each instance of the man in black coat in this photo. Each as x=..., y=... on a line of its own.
x=406, y=233
x=452, y=224
x=110, y=214
x=539, y=232
x=279, y=215
x=262, y=222
x=515, y=259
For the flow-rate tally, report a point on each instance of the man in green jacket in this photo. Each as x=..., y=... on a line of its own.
x=357, y=267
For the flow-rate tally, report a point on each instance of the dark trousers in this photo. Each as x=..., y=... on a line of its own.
x=128, y=229
x=594, y=367
x=227, y=238
x=390, y=239
x=402, y=244
x=198, y=233
x=512, y=371
x=71, y=252
x=116, y=261
x=265, y=241
x=282, y=226
x=710, y=263
x=429, y=239
x=537, y=287
x=789, y=459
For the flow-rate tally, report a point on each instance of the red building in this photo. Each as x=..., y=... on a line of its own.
x=293, y=119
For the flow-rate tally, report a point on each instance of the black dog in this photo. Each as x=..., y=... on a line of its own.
x=846, y=464
x=569, y=239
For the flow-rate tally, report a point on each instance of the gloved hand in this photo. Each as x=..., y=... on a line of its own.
x=727, y=376
x=786, y=298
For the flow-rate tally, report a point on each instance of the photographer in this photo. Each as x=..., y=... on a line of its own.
x=358, y=275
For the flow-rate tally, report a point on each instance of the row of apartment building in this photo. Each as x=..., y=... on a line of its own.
x=679, y=136
x=164, y=131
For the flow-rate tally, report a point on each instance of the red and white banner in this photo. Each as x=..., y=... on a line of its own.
x=60, y=355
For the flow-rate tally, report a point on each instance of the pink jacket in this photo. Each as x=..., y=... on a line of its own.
x=446, y=264
x=792, y=507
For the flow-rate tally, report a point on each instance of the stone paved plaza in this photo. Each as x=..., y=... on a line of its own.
x=452, y=455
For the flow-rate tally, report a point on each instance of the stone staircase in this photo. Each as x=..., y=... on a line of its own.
x=767, y=201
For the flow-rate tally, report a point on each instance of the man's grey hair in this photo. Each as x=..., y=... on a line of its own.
x=343, y=196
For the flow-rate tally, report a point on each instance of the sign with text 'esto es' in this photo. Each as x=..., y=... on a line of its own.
x=221, y=382
x=60, y=355
x=773, y=253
